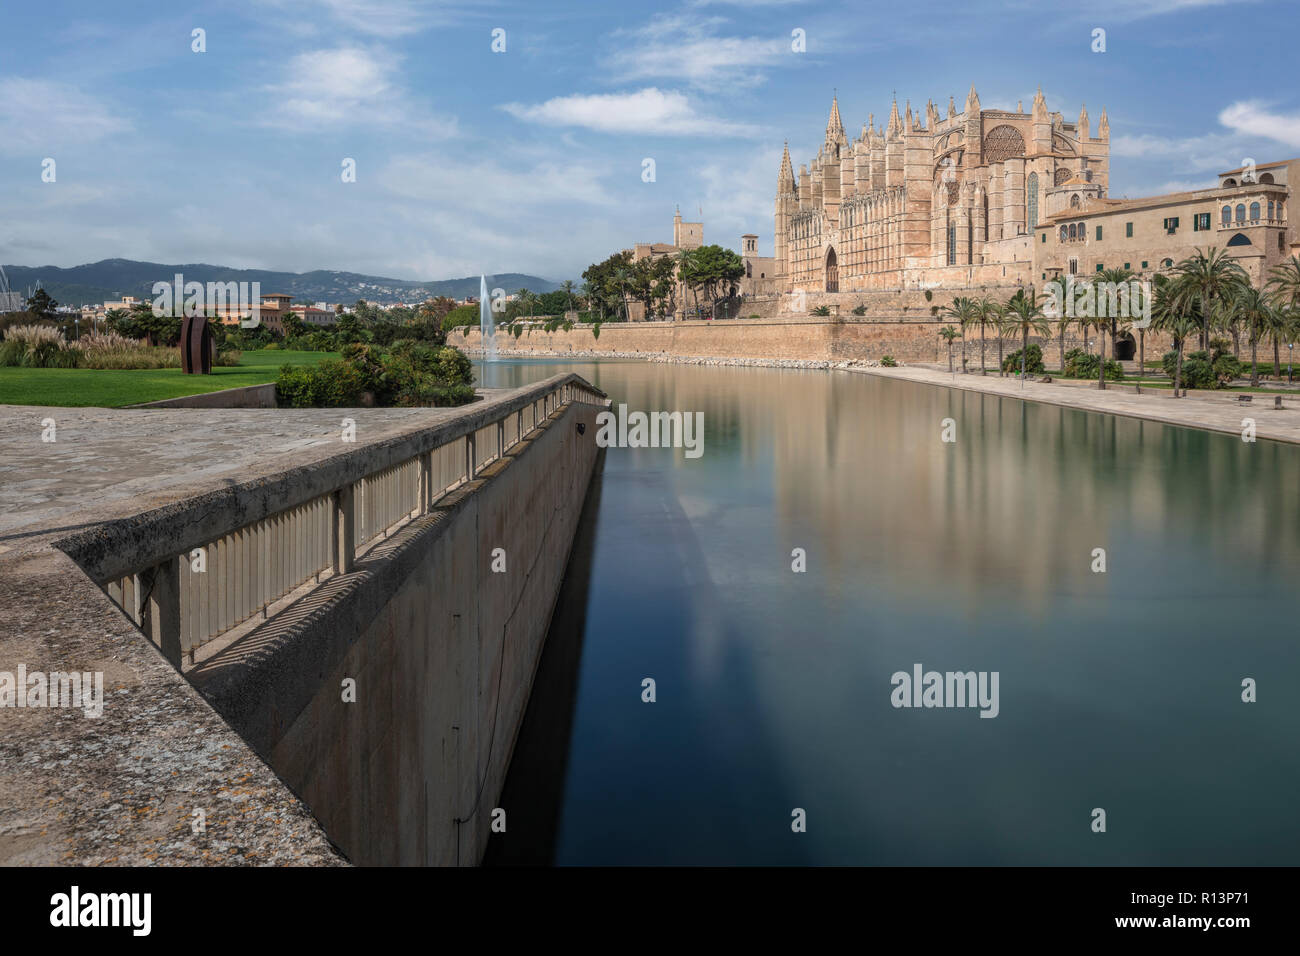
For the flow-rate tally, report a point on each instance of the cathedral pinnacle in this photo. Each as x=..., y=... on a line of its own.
x=1040, y=106
x=1103, y=128
x=972, y=100
x=834, y=127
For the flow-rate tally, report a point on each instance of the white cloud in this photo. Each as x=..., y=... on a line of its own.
x=690, y=49
x=1252, y=118
x=1212, y=150
x=648, y=111
x=42, y=116
x=348, y=85
x=494, y=191
x=387, y=19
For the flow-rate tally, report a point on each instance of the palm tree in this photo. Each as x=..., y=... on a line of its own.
x=623, y=279
x=985, y=310
x=962, y=310
x=567, y=288
x=948, y=333
x=1003, y=328
x=1176, y=313
x=1252, y=307
x=1116, y=277
x=1210, y=277
x=1284, y=289
x=1025, y=315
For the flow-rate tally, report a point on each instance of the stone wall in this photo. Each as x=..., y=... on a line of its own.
x=842, y=338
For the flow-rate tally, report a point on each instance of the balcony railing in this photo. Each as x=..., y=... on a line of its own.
x=1243, y=223
x=185, y=580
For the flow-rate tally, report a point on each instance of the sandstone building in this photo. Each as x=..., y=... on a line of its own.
x=1245, y=215
x=932, y=201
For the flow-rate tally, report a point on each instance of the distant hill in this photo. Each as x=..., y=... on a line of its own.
x=114, y=278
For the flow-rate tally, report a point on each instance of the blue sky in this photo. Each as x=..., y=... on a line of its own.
x=531, y=160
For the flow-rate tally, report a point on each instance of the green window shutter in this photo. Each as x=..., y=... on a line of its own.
x=1128, y=230
x=1128, y=265
x=1144, y=263
x=1100, y=267
x=1099, y=233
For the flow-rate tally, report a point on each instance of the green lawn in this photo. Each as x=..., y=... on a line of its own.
x=110, y=388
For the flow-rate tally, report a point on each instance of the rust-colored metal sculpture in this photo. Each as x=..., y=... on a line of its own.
x=196, y=345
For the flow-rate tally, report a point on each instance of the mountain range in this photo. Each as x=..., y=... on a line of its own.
x=111, y=279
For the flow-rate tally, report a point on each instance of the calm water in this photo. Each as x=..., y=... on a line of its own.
x=1119, y=690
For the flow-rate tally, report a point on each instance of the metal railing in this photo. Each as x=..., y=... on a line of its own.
x=201, y=588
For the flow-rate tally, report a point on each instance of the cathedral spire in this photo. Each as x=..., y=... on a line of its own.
x=952, y=107
x=908, y=114
x=834, y=127
x=785, y=179
x=972, y=101
x=1084, y=128
x=1103, y=128
x=895, y=124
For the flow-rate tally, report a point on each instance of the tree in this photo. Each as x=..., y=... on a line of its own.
x=948, y=333
x=622, y=279
x=1116, y=278
x=718, y=271
x=1210, y=277
x=962, y=310
x=1284, y=289
x=1252, y=307
x=1025, y=315
x=1175, y=313
x=40, y=303
x=985, y=312
x=567, y=288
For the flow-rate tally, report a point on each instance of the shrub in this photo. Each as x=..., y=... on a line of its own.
x=271, y=347
x=332, y=384
x=888, y=361
x=1200, y=370
x=860, y=310
x=929, y=295
x=1082, y=364
x=1033, y=361
x=821, y=310
x=410, y=373
x=595, y=330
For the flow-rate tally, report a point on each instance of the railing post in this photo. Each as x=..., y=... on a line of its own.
x=469, y=457
x=162, y=612
x=501, y=438
x=343, y=534
x=519, y=426
x=426, y=482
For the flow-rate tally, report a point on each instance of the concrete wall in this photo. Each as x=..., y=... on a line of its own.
x=249, y=396
x=442, y=650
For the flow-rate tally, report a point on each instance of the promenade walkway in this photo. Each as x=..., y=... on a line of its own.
x=1216, y=411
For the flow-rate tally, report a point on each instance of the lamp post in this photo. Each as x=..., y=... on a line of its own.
x=1290, y=352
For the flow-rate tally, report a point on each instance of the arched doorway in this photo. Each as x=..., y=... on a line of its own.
x=1125, y=347
x=832, y=271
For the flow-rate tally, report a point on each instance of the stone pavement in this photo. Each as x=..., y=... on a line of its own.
x=1219, y=412
x=104, y=455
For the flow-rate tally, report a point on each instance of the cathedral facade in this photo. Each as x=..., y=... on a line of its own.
x=931, y=201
